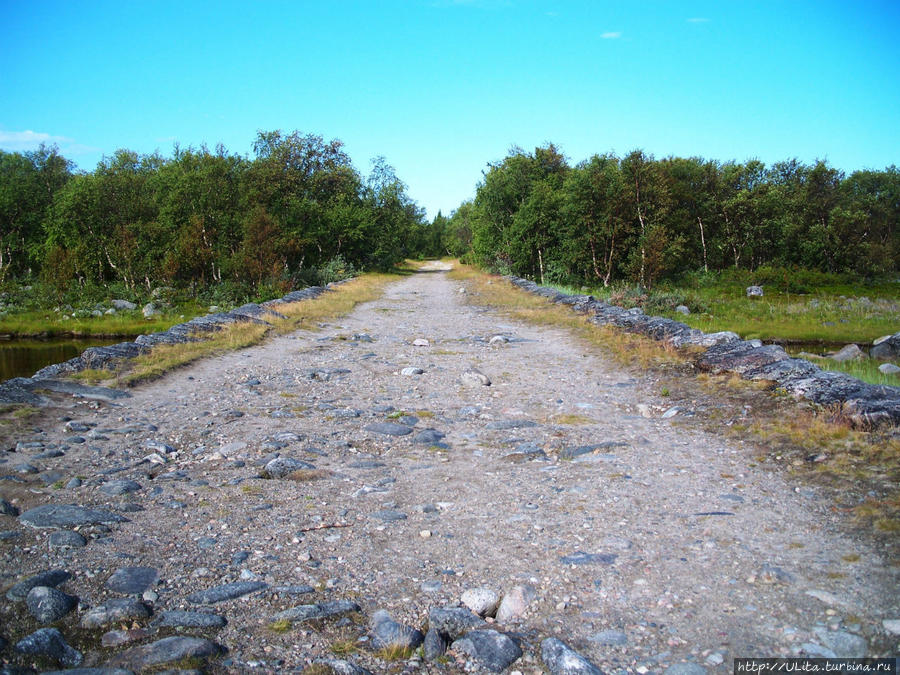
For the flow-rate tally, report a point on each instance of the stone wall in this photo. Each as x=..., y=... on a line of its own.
x=865, y=405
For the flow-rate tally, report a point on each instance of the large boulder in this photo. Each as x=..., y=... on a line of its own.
x=886, y=347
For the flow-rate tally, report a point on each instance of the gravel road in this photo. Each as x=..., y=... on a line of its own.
x=566, y=487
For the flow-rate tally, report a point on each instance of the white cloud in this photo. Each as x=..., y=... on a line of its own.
x=23, y=141
x=698, y=19
x=611, y=35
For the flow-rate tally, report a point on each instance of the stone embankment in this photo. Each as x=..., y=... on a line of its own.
x=865, y=405
x=423, y=486
x=23, y=389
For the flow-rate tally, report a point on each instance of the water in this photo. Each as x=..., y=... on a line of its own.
x=24, y=357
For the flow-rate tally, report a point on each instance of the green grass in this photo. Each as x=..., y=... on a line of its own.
x=46, y=323
x=864, y=369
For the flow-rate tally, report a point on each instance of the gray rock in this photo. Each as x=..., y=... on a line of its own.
x=891, y=626
x=182, y=619
x=322, y=610
x=51, y=578
x=150, y=310
x=66, y=539
x=159, y=446
x=515, y=603
x=116, y=488
x=848, y=353
x=132, y=580
x=8, y=509
x=754, y=291
x=845, y=645
x=68, y=515
x=342, y=667
x=561, y=659
x=48, y=604
x=167, y=650
x=123, y=305
x=582, y=558
x=389, y=633
x=411, y=371
x=525, y=452
x=886, y=347
x=293, y=589
x=49, y=642
x=682, y=309
x=491, y=649
x=889, y=368
x=475, y=378
x=389, y=429
x=389, y=515
x=453, y=622
x=116, y=609
x=685, y=669
x=224, y=592
x=428, y=436
x=434, y=645
x=482, y=601
x=284, y=466
x=609, y=638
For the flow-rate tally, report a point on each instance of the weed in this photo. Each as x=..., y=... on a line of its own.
x=280, y=625
x=394, y=653
x=570, y=419
x=251, y=490
x=343, y=647
x=24, y=412
x=305, y=475
x=664, y=391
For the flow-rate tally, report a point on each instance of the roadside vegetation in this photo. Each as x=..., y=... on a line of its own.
x=306, y=315
x=860, y=468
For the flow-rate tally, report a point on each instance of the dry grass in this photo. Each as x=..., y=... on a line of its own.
x=627, y=348
x=394, y=653
x=307, y=475
x=307, y=314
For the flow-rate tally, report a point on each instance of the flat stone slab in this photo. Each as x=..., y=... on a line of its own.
x=68, y=515
x=226, y=592
x=167, y=650
x=582, y=558
x=182, y=619
x=132, y=580
x=389, y=429
x=322, y=610
x=51, y=578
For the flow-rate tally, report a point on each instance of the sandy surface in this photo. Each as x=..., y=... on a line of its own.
x=693, y=556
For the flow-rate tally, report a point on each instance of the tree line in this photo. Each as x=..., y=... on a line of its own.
x=644, y=220
x=297, y=212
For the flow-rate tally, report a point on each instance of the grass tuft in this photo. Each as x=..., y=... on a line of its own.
x=394, y=653
x=280, y=625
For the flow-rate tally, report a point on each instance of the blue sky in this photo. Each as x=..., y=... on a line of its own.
x=442, y=87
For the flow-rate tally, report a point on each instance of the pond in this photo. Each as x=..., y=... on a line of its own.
x=23, y=357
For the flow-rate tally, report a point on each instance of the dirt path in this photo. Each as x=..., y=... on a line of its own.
x=655, y=546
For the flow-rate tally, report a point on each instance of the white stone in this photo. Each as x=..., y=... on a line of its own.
x=498, y=340
x=482, y=601
x=892, y=626
x=889, y=369
x=410, y=371
x=420, y=342
x=515, y=603
x=475, y=378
